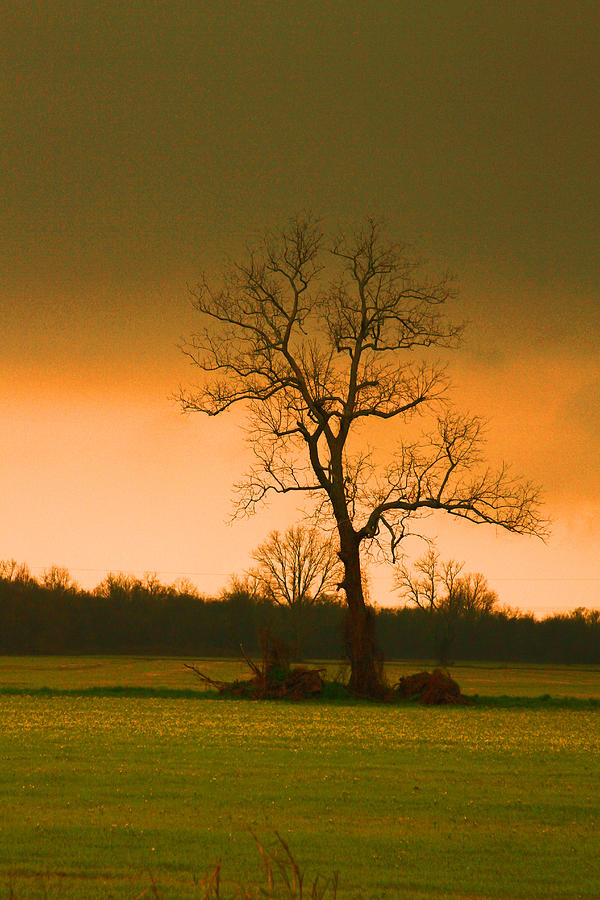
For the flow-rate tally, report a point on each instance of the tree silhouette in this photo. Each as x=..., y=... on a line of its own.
x=319, y=340
x=57, y=578
x=11, y=570
x=447, y=594
x=296, y=569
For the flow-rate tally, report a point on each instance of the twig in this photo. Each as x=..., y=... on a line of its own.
x=220, y=685
x=252, y=665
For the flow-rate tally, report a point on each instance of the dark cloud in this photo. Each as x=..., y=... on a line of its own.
x=142, y=135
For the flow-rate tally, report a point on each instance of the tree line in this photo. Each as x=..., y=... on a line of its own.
x=123, y=614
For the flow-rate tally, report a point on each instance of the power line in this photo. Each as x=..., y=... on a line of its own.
x=560, y=579
x=527, y=578
x=119, y=569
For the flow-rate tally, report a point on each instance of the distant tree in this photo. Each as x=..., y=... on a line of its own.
x=185, y=588
x=57, y=578
x=239, y=603
x=117, y=585
x=448, y=595
x=319, y=340
x=151, y=584
x=11, y=570
x=589, y=616
x=297, y=569
x=247, y=586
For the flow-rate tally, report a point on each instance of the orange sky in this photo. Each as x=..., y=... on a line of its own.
x=141, y=147
x=104, y=475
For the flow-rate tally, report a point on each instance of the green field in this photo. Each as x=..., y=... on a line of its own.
x=103, y=795
x=82, y=672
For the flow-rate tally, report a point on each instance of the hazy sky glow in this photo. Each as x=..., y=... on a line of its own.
x=143, y=140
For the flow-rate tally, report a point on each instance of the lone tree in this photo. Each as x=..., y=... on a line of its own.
x=296, y=569
x=319, y=339
x=449, y=596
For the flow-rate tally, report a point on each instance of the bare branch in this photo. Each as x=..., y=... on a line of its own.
x=447, y=475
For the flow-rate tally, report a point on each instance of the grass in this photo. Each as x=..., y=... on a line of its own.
x=82, y=672
x=102, y=796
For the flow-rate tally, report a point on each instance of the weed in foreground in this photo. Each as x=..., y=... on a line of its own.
x=279, y=863
x=283, y=880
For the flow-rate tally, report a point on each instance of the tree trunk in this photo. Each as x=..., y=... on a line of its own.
x=366, y=666
x=445, y=637
x=298, y=613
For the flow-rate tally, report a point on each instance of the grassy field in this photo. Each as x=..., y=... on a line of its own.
x=81, y=672
x=102, y=795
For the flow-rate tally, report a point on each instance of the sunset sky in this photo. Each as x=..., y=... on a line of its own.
x=143, y=141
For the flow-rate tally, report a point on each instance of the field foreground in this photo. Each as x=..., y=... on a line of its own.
x=101, y=796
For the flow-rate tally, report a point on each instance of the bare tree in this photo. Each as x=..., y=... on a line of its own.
x=11, y=570
x=296, y=569
x=117, y=584
x=318, y=340
x=57, y=578
x=449, y=596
